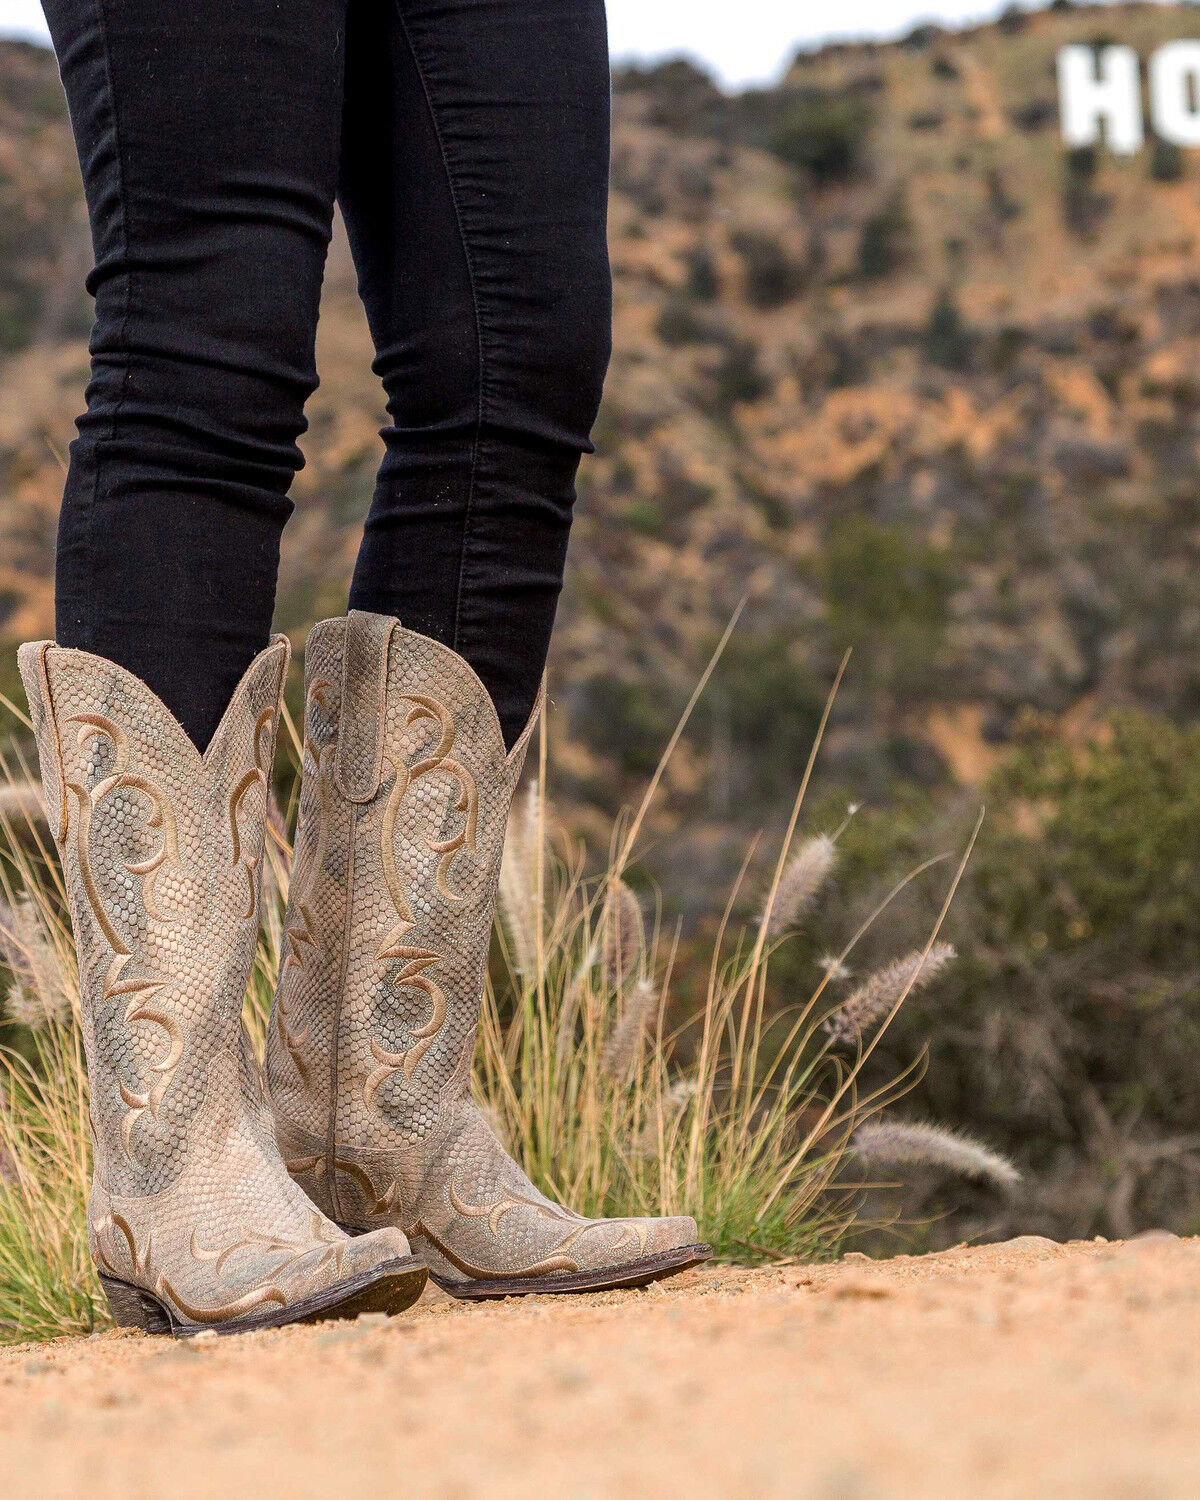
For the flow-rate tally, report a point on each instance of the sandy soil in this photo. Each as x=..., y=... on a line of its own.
x=1026, y=1370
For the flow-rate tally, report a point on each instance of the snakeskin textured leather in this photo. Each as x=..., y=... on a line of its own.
x=161, y=849
x=403, y=812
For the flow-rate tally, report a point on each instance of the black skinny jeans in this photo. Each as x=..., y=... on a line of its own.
x=467, y=144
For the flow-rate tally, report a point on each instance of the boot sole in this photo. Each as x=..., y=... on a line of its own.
x=565, y=1283
x=387, y=1288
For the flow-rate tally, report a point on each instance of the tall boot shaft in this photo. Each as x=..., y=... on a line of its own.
x=403, y=813
x=161, y=849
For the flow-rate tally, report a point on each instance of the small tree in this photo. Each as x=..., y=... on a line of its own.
x=1166, y=160
x=947, y=340
x=824, y=135
x=885, y=240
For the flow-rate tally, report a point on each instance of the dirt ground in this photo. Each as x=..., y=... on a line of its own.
x=1020, y=1370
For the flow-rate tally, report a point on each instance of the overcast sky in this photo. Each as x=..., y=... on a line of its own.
x=743, y=41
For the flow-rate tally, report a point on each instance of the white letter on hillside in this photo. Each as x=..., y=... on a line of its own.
x=1100, y=89
x=1175, y=92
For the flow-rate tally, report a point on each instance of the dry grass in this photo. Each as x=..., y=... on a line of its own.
x=614, y=1109
x=613, y=1100
x=47, y=1287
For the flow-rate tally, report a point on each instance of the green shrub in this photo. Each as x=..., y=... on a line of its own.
x=1166, y=160
x=1121, y=860
x=20, y=306
x=1068, y=1034
x=824, y=135
x=1083, y=207
x=677, y=324
x=885, y=240
x=772, y=276
x=946, y=339
x=739, y=376
x=703, y=284
x=765, y=695
x=887, y=595
x=683, y=98
x=626, y=720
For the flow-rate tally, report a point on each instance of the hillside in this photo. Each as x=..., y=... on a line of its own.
x=898, y=368
x=888, y=360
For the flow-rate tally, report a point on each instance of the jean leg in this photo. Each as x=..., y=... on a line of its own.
x=474, y=186
x=208, y=139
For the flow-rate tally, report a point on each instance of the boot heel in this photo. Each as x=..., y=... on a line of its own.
x=134, y=1308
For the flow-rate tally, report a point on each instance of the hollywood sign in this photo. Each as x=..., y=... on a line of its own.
x=1100, y=96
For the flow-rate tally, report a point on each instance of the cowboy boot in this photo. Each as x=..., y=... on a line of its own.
x=403, y=812
x=193, y=1221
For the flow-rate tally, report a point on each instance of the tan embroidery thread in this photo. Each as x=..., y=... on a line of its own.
x=413, y=972
x=323, y=1237
x=301, y=933
x=257, y=776
x=89, y=801
x=140, y=990
x=375, y=1202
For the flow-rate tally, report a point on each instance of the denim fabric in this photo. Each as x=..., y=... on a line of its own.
x=467, y=143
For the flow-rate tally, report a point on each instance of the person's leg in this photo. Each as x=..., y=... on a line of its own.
x=208, y=138
x=207, y=135
x=474, y=186
x=474, y=176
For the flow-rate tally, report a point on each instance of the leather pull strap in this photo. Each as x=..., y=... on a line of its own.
x=358, y=764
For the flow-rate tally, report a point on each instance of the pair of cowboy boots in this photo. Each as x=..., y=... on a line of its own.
x=359, y=1163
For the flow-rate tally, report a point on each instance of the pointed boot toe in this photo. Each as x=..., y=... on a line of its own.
x=667, y=1235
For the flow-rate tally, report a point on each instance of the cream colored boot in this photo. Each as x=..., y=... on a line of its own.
x=403, y=813
x=194, y=1222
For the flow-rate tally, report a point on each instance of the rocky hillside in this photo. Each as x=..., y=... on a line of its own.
x=890, y=363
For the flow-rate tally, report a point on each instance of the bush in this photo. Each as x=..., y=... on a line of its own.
x=20, y=307
x=922, y=36
x=885, y=241
x=1002, y=206
x=824, y=135
x=1034, y=115
x=677, y=324
x=1121, y=862
x=625, y=720
x=1071, y=1032
x=1083, y=207
x=1081, y=163
x=766, y=695
x=888, y=595
x=1166, y=160
x=703, y=284
x=946, y=339
x=739, y=376
x=772, y=276
x=1012, y=19
x=683, y=98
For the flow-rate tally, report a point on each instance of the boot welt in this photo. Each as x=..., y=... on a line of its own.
x=607, y=1278
x=389, y=1287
